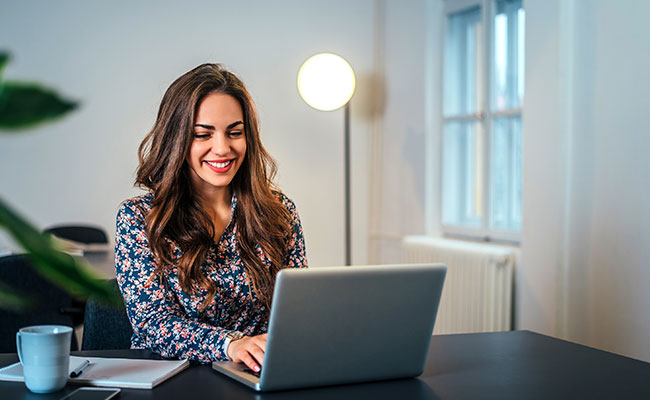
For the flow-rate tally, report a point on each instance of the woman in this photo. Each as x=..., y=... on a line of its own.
x=196, y=257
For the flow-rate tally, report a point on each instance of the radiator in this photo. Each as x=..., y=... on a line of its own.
x=477, y=295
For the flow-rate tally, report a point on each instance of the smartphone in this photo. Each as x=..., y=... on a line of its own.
x=92, y=393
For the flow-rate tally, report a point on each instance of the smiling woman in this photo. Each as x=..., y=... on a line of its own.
x=196, y=257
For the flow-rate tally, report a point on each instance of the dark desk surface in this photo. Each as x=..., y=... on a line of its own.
x=504, y=365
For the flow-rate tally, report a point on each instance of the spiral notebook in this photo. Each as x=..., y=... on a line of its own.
x=114, y=372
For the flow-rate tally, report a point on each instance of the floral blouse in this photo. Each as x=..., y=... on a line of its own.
x=167, y=320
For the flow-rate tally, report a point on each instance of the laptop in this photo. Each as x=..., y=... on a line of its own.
x=338, y=325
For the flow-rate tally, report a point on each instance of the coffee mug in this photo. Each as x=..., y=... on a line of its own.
x=44, y=352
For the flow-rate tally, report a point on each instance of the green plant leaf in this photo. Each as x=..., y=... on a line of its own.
x=4, y=59
x=72, y=274
x=24, y=105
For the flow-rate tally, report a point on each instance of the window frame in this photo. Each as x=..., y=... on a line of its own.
x=485, y=117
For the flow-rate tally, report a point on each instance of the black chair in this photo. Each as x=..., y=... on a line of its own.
x=106, y=327
x=50, y=305
x=85, y=234
x=79, y=233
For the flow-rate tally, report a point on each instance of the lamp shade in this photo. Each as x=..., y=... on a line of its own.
x=326, y=81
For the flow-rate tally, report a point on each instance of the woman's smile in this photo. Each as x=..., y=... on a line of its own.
x=220, y=166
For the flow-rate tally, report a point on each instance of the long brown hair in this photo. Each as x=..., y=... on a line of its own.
x=177, y=213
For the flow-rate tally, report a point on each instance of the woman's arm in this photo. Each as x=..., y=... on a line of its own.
x=296, y=256
x=156, y=316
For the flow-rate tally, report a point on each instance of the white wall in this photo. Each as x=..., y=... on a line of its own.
x=610, y=212
x=544, y=167
x=409, y=49
x=584, y=273
x=118, y=58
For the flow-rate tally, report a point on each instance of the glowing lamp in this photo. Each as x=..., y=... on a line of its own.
x=326, y=81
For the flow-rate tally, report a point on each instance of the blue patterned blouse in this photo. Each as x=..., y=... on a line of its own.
x=167, y=320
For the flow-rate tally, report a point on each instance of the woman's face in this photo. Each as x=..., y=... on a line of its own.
x=219, y=145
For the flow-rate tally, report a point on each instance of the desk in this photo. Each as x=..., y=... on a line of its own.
x=504, y=365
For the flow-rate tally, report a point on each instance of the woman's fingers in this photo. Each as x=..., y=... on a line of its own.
x=250, y=362
x=257, y=353
x=249, y=350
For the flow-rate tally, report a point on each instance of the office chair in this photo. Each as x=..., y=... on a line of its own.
x=82, y=234
x=106, y=327
x=50, y=305
x=78, y=233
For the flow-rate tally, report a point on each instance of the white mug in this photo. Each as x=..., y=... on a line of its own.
x=44, y=352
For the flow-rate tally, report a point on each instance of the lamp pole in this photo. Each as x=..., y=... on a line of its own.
x=348, y=242
x=326, y=82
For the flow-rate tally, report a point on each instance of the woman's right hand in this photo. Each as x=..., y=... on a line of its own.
x=249, y=350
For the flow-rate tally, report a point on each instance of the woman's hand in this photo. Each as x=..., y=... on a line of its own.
x=249, y=350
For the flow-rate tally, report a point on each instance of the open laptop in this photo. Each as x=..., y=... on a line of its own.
x=337, y=325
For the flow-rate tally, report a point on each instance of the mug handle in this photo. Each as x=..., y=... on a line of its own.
x=18, y=347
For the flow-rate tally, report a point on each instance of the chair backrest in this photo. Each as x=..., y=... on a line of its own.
x=106, y=327
x=78, y=233
x=49, y=304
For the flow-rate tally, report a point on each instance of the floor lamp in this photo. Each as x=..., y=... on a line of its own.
x=326, y=82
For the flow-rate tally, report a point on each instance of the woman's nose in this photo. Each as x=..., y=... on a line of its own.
x=220, y=144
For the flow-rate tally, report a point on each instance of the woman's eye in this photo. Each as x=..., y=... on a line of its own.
x=201, y=135
x=236, y=133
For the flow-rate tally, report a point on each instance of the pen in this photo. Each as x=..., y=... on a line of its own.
x=77, y=371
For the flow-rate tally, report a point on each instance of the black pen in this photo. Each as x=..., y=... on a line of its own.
x=80, y=369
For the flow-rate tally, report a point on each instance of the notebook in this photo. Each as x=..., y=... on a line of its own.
x=341, y=325
x=115, y=372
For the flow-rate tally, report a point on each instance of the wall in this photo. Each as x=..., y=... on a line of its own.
x=609, y=228
x=586, y=218
x=403, y=179
x=118, y=58
x=544, y=165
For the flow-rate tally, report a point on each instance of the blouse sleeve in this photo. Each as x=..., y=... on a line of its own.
x=296, y=256
x=156, y=316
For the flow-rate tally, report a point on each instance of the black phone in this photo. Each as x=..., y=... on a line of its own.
x=92, y=393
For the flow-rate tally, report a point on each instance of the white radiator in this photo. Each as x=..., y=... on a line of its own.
x=477, y=295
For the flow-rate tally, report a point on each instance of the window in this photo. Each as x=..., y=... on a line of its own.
x=482, y=103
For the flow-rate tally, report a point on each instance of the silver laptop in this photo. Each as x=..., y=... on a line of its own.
x=338, y=325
